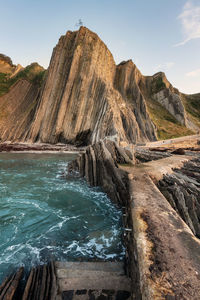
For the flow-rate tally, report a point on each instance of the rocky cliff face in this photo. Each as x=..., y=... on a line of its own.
x=17, y=109
x=86, y=97
x=168, y=97
x=161, y=90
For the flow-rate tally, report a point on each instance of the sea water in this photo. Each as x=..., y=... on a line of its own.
x=45, y=216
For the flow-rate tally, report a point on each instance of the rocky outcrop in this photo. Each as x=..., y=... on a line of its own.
x=167, y=96
x=81, y=101
x=9, y=287
x=17, y=109
x=39, y=284
x=127, y=79
x=85, y=97
x=99, y=165
x=7, y=66
x=161, y=90
x=145, y=155
x=182, y=190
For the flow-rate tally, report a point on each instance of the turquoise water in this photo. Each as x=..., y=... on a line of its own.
x=45, y=216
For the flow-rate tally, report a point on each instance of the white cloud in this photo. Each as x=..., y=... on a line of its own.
x=194, y=73
x=164, y=67
x=190, y=20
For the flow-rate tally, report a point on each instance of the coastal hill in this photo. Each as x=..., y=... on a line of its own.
x=84, y=96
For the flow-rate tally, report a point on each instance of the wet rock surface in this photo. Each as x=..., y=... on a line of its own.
x=99, y=165
x=10, y=286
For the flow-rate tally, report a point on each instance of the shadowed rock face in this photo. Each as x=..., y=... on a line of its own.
x=127, y=80
x=99, y=165
x=86, y=97
x=17, y=109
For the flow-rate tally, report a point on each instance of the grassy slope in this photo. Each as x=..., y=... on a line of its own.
x=192, y=106
x=34, y=73
x=167, y=126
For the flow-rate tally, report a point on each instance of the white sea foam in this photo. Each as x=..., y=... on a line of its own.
x=48, y=216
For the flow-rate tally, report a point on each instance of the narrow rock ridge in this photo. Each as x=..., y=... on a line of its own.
x=81, y=101
x=99, y=165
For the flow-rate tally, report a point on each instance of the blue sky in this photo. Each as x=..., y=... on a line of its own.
x=158, y=35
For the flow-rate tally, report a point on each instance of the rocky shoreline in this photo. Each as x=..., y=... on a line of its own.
x=158, y=237
x=39, y=147
x=158, y=192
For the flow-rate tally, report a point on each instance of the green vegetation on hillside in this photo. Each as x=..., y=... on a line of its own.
x=157, y=85
x=4, y=87
x=33, y=73
x=167, y=126
x=192, y=106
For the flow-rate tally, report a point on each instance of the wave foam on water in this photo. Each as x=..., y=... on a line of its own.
x=43, y=216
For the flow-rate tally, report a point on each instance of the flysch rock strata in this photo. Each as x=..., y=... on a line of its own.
x=182, y=190
x=17, y=109
x=86, y=97
x=99, y=165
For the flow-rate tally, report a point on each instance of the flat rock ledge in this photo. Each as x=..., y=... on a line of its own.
x=38, y=147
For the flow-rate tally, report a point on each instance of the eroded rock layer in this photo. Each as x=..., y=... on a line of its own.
x=182, y=190
x=99, y=165
x=17, y=109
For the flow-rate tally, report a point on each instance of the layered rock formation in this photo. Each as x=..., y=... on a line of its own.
x=99, y=165
x=17, y=109
x=86, y=97
x=167, y=96
x=162, y=253
x=160, y=89
x=182, y=190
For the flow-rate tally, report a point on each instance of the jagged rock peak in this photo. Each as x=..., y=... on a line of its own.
x=81, y=101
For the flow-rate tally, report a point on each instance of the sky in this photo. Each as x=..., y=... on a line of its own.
x=158, y=35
